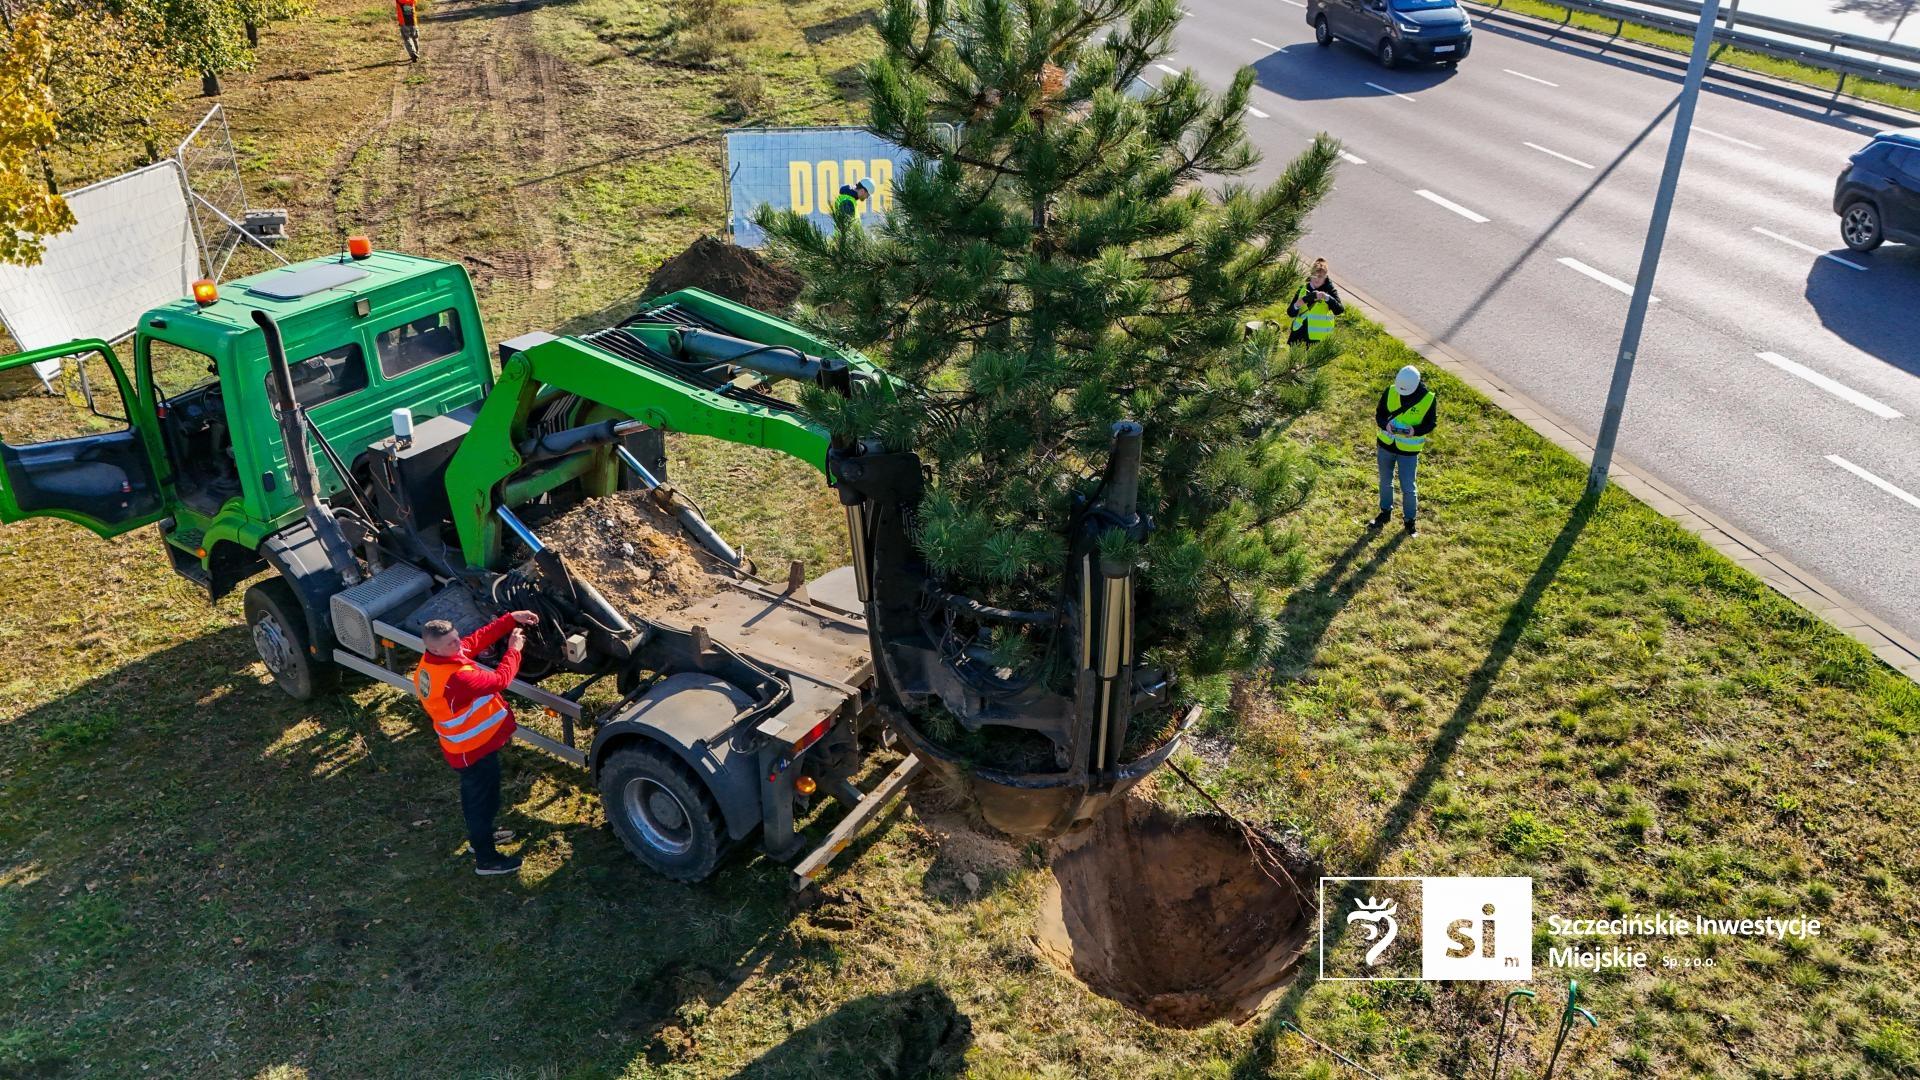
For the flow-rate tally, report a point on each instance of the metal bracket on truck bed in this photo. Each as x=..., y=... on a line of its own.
x=809, y=869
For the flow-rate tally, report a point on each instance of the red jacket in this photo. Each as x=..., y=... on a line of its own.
x=466, y=687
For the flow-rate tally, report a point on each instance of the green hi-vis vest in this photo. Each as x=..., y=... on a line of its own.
x=1410, y=444
x=845, y=204
x=1318, y=318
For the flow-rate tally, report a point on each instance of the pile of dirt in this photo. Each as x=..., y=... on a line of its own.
x=735, y=273
x=1176, y=917
x=639, y=557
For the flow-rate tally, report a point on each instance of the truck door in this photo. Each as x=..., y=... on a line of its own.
x=77, y=455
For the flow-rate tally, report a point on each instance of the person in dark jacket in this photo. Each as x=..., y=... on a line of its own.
x=1402, y=420
x=1314, y=305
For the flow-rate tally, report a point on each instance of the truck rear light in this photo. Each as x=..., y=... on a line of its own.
x=805, y=785
x=812, y=736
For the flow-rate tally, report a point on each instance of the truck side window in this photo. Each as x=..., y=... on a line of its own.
x=175, y=369
x=418, y=343
x=324, y=376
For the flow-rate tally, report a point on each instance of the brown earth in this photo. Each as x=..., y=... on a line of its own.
x=639, y=557
x=1178, y=918
x=736, y=273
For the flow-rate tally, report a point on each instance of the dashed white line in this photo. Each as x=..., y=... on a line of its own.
x=1531, y=78
x=1266, y=44
x=1558, y=154
x=1258, y=113
x=1477, y=219
x=1357, y=160
x=1166, y=69
x=1808, y=248
x=1603, y=278
x=1904, y=496
x=1296, y=3
x=1729, y=138
x=1840, y=390
x=1395, y=93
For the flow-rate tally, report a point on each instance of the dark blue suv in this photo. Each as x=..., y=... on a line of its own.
x=1878, y=193
x=1437, y=31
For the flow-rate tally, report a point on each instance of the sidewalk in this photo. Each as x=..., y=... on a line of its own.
x=1898, y=650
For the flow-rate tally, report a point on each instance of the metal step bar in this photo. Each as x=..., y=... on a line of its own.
x=809, y=869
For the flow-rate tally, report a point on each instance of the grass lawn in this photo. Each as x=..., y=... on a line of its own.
x=1791, y=70
x=199, y=877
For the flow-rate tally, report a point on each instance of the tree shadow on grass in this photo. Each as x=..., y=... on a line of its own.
x=1259, y=1061
x=913, y=1034
x=243, y=851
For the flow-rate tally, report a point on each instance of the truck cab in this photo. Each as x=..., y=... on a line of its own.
x=179, y=425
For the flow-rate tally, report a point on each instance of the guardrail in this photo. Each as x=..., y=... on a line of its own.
x=1880, y=61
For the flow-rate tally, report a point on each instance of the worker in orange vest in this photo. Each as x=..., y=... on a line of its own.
x=473, y=721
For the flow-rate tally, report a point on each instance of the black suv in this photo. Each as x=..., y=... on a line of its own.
x=1878, y=194
x=1395, y=30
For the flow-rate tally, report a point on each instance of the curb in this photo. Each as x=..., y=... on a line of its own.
x=1832, y=101
x=1896, y=649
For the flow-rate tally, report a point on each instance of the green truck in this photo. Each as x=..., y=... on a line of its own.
x=421, y=474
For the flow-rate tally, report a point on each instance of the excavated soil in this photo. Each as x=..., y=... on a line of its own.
x=1178, y=918
x=640, y=558
x=735, y=273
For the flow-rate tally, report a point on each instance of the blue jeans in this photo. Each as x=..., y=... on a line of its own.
x=480, y=803
x=1406, y=465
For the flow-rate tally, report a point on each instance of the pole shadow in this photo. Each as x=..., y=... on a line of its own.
x=1259, y=1060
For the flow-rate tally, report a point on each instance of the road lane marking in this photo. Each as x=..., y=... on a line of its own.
x=1808, y=248
x=1353, y=158
x=1558, y=154
x=1531, y=78
x=1266, y=45
x=1258, y=113
x=1166, y=69
x=1451, y=205
x=1904, y=496
x=1729, y=138
x=1606, y=279
x=1296, y=3
x=1384, y=90
x=1837, y=389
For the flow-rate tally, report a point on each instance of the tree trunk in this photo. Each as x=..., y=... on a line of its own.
x=209, y=84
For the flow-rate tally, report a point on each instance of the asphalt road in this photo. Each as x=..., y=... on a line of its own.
x=1502, y=206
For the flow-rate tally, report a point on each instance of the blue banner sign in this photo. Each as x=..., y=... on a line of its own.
x=802, y=169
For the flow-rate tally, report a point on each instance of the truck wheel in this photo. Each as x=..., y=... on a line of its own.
x=280, y=636
x=662, y=813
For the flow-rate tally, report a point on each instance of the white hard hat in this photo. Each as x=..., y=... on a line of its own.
x=1408, y=380
x=865, y=185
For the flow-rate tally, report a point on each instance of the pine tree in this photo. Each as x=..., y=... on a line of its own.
x=1072, y=251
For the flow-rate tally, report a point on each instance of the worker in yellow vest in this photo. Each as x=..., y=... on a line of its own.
x=473, y=721
x=1313, y=307
x=1402, y=420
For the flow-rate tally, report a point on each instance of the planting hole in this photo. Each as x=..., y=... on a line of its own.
x=1177, y=917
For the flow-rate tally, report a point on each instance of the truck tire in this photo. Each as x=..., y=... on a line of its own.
x=280, y=636
x=662, y=813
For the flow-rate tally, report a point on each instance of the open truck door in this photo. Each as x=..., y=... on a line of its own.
x=86, y=455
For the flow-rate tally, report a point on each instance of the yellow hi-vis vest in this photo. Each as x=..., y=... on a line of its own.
x=1317, y=317
x=1411, y=444
x=460, y=732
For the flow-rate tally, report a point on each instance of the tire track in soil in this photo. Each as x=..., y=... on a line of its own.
x=440, y=176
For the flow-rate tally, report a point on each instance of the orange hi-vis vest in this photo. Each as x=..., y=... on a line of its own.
x=460, y=732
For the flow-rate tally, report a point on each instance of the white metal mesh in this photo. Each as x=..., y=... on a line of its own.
x=131, y=247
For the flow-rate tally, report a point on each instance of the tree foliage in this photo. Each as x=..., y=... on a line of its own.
x=29, y=209
x=1061, y=263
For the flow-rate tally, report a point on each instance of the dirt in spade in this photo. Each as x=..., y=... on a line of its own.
x=638, y=556
x=1178, y=917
